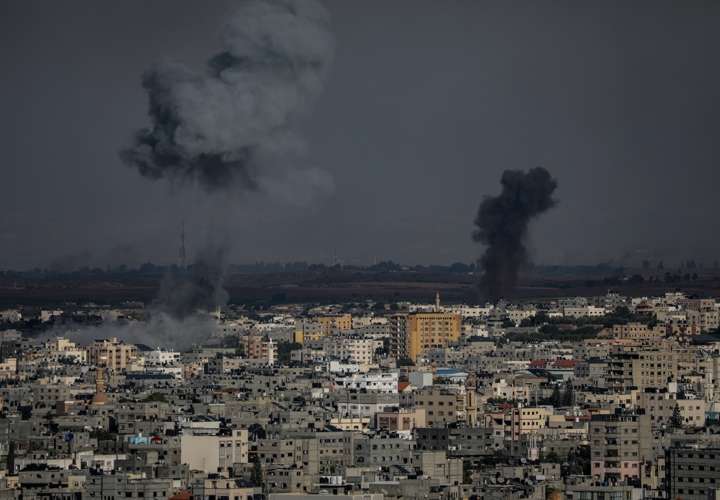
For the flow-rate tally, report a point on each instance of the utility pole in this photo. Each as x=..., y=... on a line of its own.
x=182, y=245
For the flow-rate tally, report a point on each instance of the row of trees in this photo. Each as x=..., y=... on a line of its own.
x=564, y=398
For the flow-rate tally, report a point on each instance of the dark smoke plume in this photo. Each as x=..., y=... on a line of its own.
x=502, y=224
x=230, y=128
x=224, y=127
x=199, y=288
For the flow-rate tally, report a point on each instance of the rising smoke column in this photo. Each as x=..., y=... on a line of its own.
x=502, y=224
x=223, y=127
x=230, y=128
x=200, y=287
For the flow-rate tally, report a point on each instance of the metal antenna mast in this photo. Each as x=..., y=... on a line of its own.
x=182, y=244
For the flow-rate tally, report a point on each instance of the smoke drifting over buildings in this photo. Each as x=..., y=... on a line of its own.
x=199, y=287
x=160, y=330
x=502, y=224
x=229, y=126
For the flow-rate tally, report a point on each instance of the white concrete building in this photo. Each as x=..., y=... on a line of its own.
x=354, y=349
x=517, y=315
x=161, y=357
x=588, y=311
x=214, y=453
x=62, y=348
x=386, y=382
x=10, y=315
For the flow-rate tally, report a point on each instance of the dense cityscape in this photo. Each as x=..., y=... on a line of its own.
x=579, y=398
x=359, y=250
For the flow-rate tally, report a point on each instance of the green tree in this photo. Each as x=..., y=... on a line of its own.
x=568, y=398
x=405, y=361
x=240, y=350
x=11, y=457
x=256, y=431
x=157, y=397
x=556, y=399
x=467, y=472
x=551, y=457
x=257, y=475
x=284, y=350
x=538, y=319
x=676, y=420
x=578, y=461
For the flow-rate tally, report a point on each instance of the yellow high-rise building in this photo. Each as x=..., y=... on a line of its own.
x=430, y=330
x=316, y=328
x=341, y=322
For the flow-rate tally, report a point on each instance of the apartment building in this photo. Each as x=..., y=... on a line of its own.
x=397, y=329
x=702, y=321
x=587, y=311
x=660, y=405
x=261, y=348
x=514, y=423
x=376, y=381
x=692, y=473
x=318, y=327
x=307, y=331
x=62, y=348
x=124, y=485
x=383, y=450
x=430, y=330
x=376, y=329
x=696, y=316
x=335, y=322
x=8, y=368
x=585, y=491
x=354, y=348
x=400, y=420
x=221, y=488
x=620, y=443
x=301, y=453
x=639, y=332
x=317, y=453
x=214, y=453
x=365, y=404
x=111, y=353
x=161, y=357
x=444, y=405
x=629, y=370
x=530, y=419
x=517, y=315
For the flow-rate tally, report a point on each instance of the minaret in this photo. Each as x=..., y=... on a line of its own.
x=100, y=397
x=437, y=301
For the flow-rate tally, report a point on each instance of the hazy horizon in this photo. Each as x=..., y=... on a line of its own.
x=425, y=105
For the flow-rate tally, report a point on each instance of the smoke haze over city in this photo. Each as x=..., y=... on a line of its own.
x=426, y=105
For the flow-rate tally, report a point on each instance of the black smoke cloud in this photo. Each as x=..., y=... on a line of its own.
x=502, y=223
x=229, y=126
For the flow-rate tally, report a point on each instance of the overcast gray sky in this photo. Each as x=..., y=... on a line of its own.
x=427, y=103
